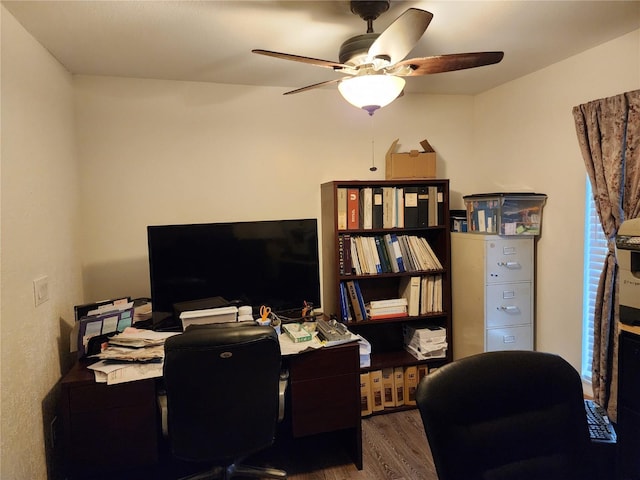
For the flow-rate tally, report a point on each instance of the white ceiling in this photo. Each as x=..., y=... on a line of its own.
x=211, y=41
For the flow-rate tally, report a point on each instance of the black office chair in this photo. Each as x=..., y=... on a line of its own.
x=222, y=385
x=512, y=415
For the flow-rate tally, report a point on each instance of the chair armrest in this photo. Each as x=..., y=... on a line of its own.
x=162, y=406
x=284, y=382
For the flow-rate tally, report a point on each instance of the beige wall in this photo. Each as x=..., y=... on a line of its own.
x=525, y=138
x=39, y=198
x=158, y=152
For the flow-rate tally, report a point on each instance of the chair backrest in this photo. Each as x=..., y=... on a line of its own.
x=222, y=390
x=513, y=415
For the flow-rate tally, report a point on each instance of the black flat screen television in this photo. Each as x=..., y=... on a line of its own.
x=272, y=263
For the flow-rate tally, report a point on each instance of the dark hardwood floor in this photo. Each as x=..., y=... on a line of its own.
x=394, y=448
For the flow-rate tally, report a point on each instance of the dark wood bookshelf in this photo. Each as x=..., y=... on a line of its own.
x=386, y=335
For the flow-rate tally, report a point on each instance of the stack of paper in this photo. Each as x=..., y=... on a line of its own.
x=425, y=341
x=131, y=355
x=365, y=352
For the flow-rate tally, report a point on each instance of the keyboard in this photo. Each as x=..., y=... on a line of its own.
x=600, y=428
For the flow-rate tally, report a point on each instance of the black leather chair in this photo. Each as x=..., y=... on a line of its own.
x=512, y=415
x=222, y=385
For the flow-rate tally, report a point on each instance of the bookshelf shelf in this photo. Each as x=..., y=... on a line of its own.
x=382, y=281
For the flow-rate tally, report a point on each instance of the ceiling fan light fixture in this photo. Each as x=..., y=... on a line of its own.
x=371, y=92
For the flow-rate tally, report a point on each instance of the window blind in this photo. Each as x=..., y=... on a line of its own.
x=595, y=253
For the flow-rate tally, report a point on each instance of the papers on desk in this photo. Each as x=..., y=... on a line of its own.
x=114, y=373
x=131, y=355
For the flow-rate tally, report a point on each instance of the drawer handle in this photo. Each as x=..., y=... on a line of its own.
x=509, y=338
x=508, y=308
x=510, y=265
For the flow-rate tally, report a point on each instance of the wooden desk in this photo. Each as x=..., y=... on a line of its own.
x=117, y=427
x=107, y=426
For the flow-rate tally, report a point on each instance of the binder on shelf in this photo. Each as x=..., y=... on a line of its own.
x=356, y=262
x=440, y=206
x=388, y=207
x=353, y=208
x=358, y=312
x=410, y=289
x=371, y=242
x=382, y=253
x=410, y=384
x=361, y=303
x=388, y=397
x=393, y=259
x=411, y=207
x=423, y=206
x=423, y=371
x=375, y=380
x=432, y=216
x=341, y=265
x=398, y=383
x=408, y=256
x=399, y=208
x=376, y=213
x=341, y=200
x=395, y=244
x=365, y=395
x=348, y=262
x=366, y=208
x=345, y=315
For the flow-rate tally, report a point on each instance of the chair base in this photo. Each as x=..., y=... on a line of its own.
x=234, y=470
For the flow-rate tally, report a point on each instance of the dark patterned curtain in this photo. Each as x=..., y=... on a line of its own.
x=609, y=136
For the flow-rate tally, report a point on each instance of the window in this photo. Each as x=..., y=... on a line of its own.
x=595, y=253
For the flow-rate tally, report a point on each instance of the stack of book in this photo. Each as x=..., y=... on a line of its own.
x=389, y=253
x=425, y=341
x=391, y=308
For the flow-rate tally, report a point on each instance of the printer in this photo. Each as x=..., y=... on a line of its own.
x=628, y=255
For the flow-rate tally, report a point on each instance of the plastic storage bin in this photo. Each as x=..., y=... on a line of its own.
x=505, y=213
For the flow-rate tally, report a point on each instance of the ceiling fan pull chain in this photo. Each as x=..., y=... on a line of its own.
x=373, y=167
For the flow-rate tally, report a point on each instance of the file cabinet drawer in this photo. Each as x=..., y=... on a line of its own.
x=510, y=338
x=508, y=304
x=509, y=260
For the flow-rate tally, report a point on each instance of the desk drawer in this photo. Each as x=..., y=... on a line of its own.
x=112, y=439
x=98, y=396
x=325, y=405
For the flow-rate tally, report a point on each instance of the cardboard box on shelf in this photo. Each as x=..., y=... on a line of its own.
x=412, y=164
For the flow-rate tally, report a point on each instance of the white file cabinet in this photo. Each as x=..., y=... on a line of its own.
x=492, y=293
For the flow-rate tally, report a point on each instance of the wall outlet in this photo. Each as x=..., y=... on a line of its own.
x=41, y=289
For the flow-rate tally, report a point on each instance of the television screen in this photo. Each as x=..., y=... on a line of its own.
x=272, y=263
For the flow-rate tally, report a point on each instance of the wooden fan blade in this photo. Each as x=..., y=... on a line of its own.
x=297, y=58
x=444, y=63
x=399, y=38
x=315, y=85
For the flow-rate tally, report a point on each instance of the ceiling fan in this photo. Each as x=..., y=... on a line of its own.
x=374, y=63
